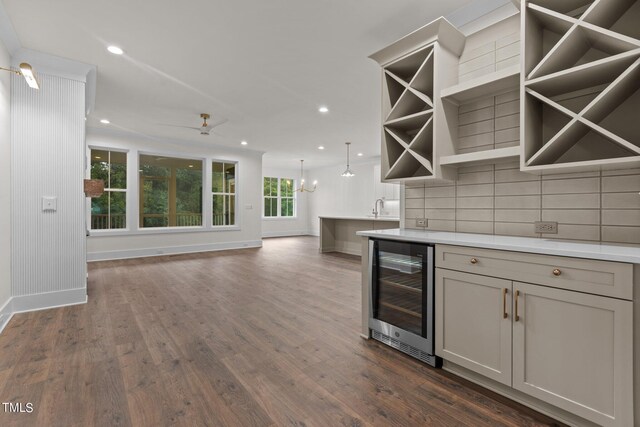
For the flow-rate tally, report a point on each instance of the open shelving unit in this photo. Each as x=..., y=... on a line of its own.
x=492, y=84
x=408, y=125
x=411, y=108
x=580, y=84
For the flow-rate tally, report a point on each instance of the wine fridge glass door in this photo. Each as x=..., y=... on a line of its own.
x=400, y=286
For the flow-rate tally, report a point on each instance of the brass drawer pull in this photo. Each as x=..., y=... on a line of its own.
x=474, y=261
x=516, y=316
x=557, y=272
x=504, y=303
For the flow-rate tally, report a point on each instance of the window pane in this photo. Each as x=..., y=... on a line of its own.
x=274, y=207
x=230, y=177
x=230, y=210
x=155, y=203
x=156, y=166
x=286, y=187
x=274, y=187
x=218, y=209
x=171, y=192
x=189, y=196
x=286, y=207
x=118, y=178
x=217, y=180
x=266, y=186
x=117, y=209
x=100, y=212
x=100, y=165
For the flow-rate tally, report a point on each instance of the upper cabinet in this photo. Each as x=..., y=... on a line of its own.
x=580, y=84
x=414, y=69
x=556, y=88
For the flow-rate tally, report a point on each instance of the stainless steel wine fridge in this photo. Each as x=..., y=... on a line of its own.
x=401, y=297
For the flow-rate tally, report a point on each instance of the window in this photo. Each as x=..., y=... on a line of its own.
x=109, y=211
x=170, y=192
x=223, y=189
x=279, y=197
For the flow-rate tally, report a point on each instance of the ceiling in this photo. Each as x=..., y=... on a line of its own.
x=265, y=66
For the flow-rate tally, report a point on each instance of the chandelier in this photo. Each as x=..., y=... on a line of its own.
x=302, y=189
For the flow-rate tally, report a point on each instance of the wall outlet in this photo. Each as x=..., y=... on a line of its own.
x=49, y=204
x=422, y=222
x=546, y=227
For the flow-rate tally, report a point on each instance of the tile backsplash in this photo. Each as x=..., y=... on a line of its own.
x=499, y=199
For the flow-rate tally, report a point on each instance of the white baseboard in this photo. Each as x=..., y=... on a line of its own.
x=171, y=250
x=266, y=235
x=6, y=312
x=44, y=301
x=314, y=233
x=48, y=300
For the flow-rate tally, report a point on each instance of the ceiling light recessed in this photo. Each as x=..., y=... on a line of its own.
x=360, y=154
x=244, y=143
x=321, y=147
x=323, y=109
x=105, y=121
x=115, y=50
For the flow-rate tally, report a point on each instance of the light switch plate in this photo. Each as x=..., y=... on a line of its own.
x=422, y=222
x=49, y=204
x=248, y=206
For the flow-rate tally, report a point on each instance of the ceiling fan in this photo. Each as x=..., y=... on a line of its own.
x=205, y=129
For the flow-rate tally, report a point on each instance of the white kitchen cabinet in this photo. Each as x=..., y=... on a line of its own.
x=574, y=351
x=473, y=326
x=565, y=347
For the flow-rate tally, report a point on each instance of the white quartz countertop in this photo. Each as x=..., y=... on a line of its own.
x=606, y=252
x=363, y=218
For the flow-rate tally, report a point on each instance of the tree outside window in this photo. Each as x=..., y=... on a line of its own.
x=109, y=211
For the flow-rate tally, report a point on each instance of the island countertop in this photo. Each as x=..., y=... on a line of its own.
x=361, y=218
x=588, y=250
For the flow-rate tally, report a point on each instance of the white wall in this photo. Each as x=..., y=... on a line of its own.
x=48, y=266
x=5, y=181
x=338, y=195
x=127, y=244
x=275, y=227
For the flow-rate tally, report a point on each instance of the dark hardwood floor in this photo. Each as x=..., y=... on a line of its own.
x=254, y=337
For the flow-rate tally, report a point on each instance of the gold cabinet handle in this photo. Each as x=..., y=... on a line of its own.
x=474, y=261
x=516, y=316
x=504, y=303
x=557, y=272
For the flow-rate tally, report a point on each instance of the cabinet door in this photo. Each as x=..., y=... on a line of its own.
x=473, y=324
x=575, y=351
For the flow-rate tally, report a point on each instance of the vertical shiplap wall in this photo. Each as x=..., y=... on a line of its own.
x=5, y=180
x=47, y=159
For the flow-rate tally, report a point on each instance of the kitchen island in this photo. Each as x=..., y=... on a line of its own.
x=338, y=233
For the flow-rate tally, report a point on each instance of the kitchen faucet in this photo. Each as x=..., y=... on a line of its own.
x=375, y=207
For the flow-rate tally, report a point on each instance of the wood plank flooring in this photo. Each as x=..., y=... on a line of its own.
x=255, y=337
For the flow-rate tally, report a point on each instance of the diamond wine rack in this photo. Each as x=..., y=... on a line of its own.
x=414, y=69
x=581, y=75
x=408, y=127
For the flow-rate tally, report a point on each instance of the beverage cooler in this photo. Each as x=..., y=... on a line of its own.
x=401, y=302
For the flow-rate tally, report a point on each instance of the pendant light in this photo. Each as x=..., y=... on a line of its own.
x=301, y=189
x=348, y=172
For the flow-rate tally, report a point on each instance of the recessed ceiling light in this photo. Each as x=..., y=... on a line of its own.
x=323, y=109
x=105, y=121
x=360, y=154
x=321, y=147
x=244, y=143
x=115, y=50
